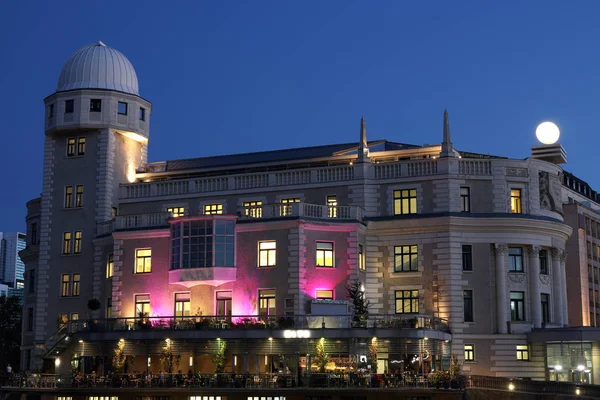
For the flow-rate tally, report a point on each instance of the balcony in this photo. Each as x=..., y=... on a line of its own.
x=301, y=210
x=212, y=276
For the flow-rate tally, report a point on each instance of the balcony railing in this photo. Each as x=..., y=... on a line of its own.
x=302, y=210
x=345, y=321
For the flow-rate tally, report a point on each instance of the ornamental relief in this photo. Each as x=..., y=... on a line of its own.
x=516, y=278
x=520, y=172
x=545, y=279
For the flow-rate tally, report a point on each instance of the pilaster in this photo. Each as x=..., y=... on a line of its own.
x=557, y=287
x=116, y=280
x=534, y=286
x=501, y=291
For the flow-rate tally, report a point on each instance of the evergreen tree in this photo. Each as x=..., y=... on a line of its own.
x=360, y=305
x=321, y=358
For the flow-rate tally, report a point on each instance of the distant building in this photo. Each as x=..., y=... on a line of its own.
x=12, y=268
x=3, y=290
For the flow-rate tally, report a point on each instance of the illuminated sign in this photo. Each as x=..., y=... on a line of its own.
x=291, y=334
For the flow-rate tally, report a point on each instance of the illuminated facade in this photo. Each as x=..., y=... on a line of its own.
x=457, y=253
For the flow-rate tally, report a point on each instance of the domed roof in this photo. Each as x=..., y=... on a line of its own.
x=97, y=66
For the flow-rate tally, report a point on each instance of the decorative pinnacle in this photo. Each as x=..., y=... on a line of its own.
x=363, y=132
x=447, y=147
x=100, y=43
x=446, y=127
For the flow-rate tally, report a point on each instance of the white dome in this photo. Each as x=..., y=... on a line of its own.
x=97, y=66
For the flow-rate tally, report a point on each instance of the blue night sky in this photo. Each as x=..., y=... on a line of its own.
x=234, y=77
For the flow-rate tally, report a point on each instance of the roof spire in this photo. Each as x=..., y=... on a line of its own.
x=363, y=147
x=447, y=147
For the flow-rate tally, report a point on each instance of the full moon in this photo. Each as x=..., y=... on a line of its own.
x=547, y=132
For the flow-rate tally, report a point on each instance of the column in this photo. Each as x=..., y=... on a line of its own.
x=557, y=286
x=501, y=292
x=534, y=286
x=563, y=278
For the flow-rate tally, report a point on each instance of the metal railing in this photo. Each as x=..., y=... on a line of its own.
x=307, y=210
x=531, y=386
x=346, y=321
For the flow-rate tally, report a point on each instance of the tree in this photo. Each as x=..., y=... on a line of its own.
x=373, y=355
x=220, y=359
x=321, y=358
x=118, y=360
x=10, y=331
x=360, y=305
x=168, y=359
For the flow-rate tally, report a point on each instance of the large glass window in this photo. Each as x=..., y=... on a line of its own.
x=405, y=201
x=515, y=259
x=517, y=306
x=224, y=303
x=405, y=258
x=407, y=301
x=267, y=253
x=465, y=199
x=253, y=209
x=545, y=297
x=266, y=305
x=203, y=244
x=143, y=261
x=324, y=256
x=182, y=304
x=468, y=305
x=142, y=305
x=515, y=201
x=467, y=257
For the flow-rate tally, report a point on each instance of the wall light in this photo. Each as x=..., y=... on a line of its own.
x=57, y=362
x=577, y=392
x=191, y=361
x=235, y=360
x=149, y=360
x=580, y=367
x=511, y=386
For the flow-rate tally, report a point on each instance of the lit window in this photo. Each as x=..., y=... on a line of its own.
x=324, y=294
x=142, y=114
x=122, y=108
x=515, y=201
x=69, y=106
x=209, y=398
x=324, y=254
x=143, y=261
x=267, y=254
x=266, y=305
x=81, y=146
x=405, y=258
x=67, y=243
x=515, y=259
x=182, y=304
x=70, y=147
x=95, y=105
x=176, y=211
x=65, y=285
x=467, y=257
x=63, y=319
x=110, y=266
x=405, y=201
x=467, y=305
x=253, y=209
x=543, y=262
x=102, y=398
x=361, y=258
x=79, y=196
x=223, y=303
x=517, y=306
x=469, y=352
x=74, y=316
x=142, y=305
x=192, y=244
x=331, y=206
x=522, y=352
x=113, y=213
x=77, y=242
x=286, y=206
x=64, y=398
x=465, y=199
x=68, y=196
x=76, y=285
x=407, y=301
x=213, y=209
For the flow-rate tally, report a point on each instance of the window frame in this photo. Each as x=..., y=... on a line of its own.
x=213, y=209
x=253, y=208
x=31, y=286
x=465, y=199
x=71, y=147
x=122, y=103
x=286, y=205
x=50, y=111
x=147, y=261
x=97, y=103
x=467, y=257
x=183, y=301
x=516, y=316
x=34, y=233
x=142, y=114
x=545, y=308
x=69, y=106
x=81, y=142
x=332, y=204
x=411, y=201
x=544, y=270
x=65, y=285
x=176, y=212
x=324, y=295
x=516, y=201
x=227, y=303
x=411, y=299
x=322, y=253
x=468, y=297
x=523, y=352
x=78, y=196
x=76, y=285
x=69, y=194
x=512, y=260
x=268, y=252
x=270, y=299
x=30, y=320
x=469, y=350
x=77, y=242
x=361, y=258
x=143, y=302
x=110, y=266
x=399, y=268
x=67, y=243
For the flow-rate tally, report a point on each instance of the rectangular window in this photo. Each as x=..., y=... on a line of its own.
x=467, y=257
x=74, y=316
x=545, y=297
x=515, y=259
x=77, y=249
x=361, y=258
x=30, y=319
x=63, y=319
x=70, y=147
x=465, y=199
x=79, y=196
x=65, y=287
x=142, y=114
x=286, y=206
x=68, y=196
x=113, y=213
x=110, y=265
x=266, y=302
x=324, y=294
x=122, y=108
x=32, y=281
x=407, y=301
x=109, y=307
x=142, y=305
x=324, y=254
x=405, y=201
x=253, y=209
x=515, y=201
x=469, y=352
x=34, y=233
x=522, y=352
x=80, y=146
x=267, y=254
x=289, y=303
x=76, y=284
x=213, y=209
x=468, y=305
x=203, y=244
x=69, y=106
x=224, y=303
x=331, y=206
x=182, y=304
x=143, y=261
x=51, y=111
x=95, y=105
x=67, y=236
x=405, y=258
x=517, y=306
x=543, y=262
x=176, y=212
